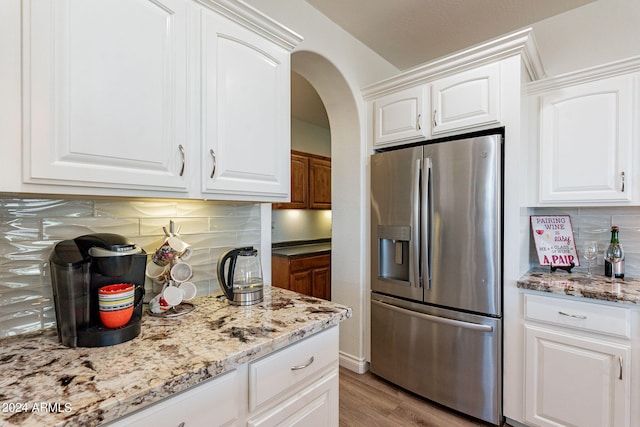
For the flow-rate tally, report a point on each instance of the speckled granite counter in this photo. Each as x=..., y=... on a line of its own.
x=297, y=250
x=601, y=288
x=90, y=386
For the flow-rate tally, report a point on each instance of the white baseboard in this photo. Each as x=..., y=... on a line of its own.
x=514, y=423
x=354, y=364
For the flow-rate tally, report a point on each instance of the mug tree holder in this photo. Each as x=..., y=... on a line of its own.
x=184, y=307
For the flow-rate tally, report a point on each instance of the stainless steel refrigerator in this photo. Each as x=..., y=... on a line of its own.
x=436, y=272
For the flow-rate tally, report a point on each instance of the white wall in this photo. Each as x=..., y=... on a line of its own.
x=310, y=138
x=337, y=66
x=594, y=34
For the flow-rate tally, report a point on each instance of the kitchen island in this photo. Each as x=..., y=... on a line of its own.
x=45, y=383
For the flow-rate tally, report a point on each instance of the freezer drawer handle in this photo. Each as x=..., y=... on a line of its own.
x=572, y=315
x=436, y=319
x=306, y=365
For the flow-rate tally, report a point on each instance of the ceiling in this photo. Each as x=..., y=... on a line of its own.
x=411, y=32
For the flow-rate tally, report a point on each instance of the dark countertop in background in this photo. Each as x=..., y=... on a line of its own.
x=301, y=248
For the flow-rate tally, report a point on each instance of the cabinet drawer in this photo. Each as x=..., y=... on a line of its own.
x=585, y=316
x=216, y=399
x=271, y=377
x=309, y=262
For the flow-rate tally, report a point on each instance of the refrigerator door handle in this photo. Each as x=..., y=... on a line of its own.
x=436, y=319
x=425, y=206
x=415, y=224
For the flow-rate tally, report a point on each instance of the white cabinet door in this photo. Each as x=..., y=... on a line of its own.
x=574, y=381
x=316, y=406
x=586, y=142
x=246, y=119
x=467, y=99
x=400, y=116
x=104, y=93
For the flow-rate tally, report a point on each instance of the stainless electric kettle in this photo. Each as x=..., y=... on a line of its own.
x=242, y=283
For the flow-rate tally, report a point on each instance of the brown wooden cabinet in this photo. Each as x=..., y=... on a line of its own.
x=310, y=182
x=306, y=274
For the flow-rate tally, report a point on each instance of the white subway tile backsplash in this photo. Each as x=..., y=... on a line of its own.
x=68, y=228
x=30, y=228
x=142, y=209
x=41, y=208
x=20, y=229
x=594, y=223
x=188, y=225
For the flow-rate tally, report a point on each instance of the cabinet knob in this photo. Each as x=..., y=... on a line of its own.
x=181, y=148
x=213, y=157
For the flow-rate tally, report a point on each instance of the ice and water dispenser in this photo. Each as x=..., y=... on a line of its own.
x=394, y=242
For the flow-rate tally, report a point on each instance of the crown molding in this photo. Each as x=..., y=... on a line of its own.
x=520, y=43
x=254, y=20
x=599, y=72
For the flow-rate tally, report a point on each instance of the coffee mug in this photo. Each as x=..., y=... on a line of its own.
x=168, y=298
x=157, y=273
x=115, y=304
x=181, y=272
x=189, y=290
x=172, y=248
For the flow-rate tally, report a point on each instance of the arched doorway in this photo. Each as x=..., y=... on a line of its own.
x=348, y=185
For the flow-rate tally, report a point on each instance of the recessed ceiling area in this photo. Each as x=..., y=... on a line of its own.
x=411, y=32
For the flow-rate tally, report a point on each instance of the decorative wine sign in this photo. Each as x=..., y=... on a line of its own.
x=555, y=245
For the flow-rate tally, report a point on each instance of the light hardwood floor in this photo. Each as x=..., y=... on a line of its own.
x=369, y=401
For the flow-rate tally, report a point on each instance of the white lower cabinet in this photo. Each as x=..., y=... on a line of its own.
x=315, y=406
x=217, y=402
x=576, y=375
x=294, y=386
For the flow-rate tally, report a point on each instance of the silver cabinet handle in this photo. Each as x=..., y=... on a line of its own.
x=572, y=315
x=213, y=157
x=306, y=365
x=418, y=120
x=620, y=362
x=435, y=122
x=622, y=176
x=182, y=424
x=181, y=148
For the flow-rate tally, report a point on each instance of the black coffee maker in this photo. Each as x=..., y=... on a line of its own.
x=79, y=268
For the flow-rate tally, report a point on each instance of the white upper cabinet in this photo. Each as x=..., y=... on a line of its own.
x=104, y=93
x=400, y=116
x=162, y=98
x=246, y=120
x=465, y=100
x=586, y=142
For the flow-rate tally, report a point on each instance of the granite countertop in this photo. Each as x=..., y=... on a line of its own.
x=599, y=287
x=90, y=386
x=299, y=250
